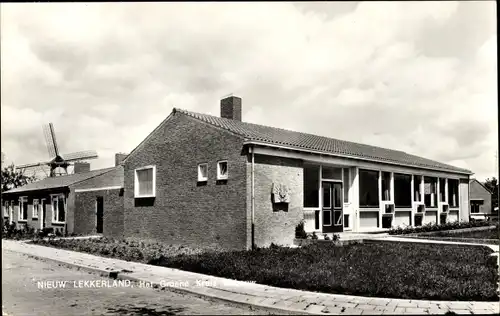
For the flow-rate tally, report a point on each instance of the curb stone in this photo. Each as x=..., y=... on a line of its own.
x=233, y=296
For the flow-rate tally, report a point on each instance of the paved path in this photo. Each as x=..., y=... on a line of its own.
x=23, y=295
x=292, y=301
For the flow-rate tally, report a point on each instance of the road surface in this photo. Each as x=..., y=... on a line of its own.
x=22, y=277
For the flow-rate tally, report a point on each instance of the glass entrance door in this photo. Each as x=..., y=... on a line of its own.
x=332, y=207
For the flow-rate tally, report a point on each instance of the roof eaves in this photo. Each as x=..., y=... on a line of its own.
x=364, y=157
x=208, y=122
x=150, y=134
x=94, y=176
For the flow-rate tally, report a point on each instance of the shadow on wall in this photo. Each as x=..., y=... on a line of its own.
x=144, y=202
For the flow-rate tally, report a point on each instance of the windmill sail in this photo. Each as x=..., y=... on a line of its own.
x=49, y=140
x=58, y=163
x=81, y=155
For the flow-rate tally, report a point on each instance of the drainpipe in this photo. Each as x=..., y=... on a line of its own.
x=253, y=198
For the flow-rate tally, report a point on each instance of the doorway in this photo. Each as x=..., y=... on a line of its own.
x=332, y=207
x=99, y=214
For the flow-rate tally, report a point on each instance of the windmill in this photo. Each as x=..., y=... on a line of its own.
x=58, y=163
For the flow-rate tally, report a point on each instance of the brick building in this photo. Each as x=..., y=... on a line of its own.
x=87, y=202
x=203, y=180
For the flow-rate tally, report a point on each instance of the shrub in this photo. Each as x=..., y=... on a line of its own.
x=434, y=227
x=325, y=236
x=10, y=231
x=336, y=237
x=314, y=236
x=300, y=233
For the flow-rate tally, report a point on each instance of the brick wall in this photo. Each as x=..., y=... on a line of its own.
x=477, y=191
x=274, y=225
x=183, y=211
x=85, y=215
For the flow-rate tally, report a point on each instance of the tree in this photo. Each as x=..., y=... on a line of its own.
x=13, y=179
x=492, y=185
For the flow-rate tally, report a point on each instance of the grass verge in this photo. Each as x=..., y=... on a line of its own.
x=410, y=271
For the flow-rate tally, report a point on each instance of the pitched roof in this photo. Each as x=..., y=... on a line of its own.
x=321, y=144
x=481, y=184
x=59, y=182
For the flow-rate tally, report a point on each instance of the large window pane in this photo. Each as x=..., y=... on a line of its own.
x=402, y=190
x=386, y=186
x=453, y=193
x=327, y=198
x=346, y=184
x=327, y=217
x=54, y=209
x=337, y=196
x=368, y=188
x=61, y=216
x=430, y=191
x=311, y=186
x=442, y=189
x=145, y=179
x=417, y=188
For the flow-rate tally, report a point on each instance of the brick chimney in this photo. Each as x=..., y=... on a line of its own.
x=81, y=167
x=119, y=158
x=230, y=108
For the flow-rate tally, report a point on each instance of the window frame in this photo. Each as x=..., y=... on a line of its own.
x=198, y=168
x=55, y=213
x=36, y=206
x=136, y=182
x=22, y=200
x=476, y=204
x=219, y=176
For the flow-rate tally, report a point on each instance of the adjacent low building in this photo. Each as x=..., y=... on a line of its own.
x=87, y=202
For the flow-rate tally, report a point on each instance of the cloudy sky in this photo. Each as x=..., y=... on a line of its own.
x=414, y=76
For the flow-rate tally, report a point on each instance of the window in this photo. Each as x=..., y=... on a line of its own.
x=145, y=182
x=346, y=184
x=442, y=189
x=58, y=209
x=222, y=170
x=311, y=186
x=36, y=208
x=23, y=208
x=430, y=191
x=368, y=188
x=453, y=193
x=386, y=186
x=402, y=190
x=331, y=173
x=475, y=206
x=5, y=209
x=417, y=188
x=202, y=172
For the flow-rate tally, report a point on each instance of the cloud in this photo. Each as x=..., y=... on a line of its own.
x=414, y=76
